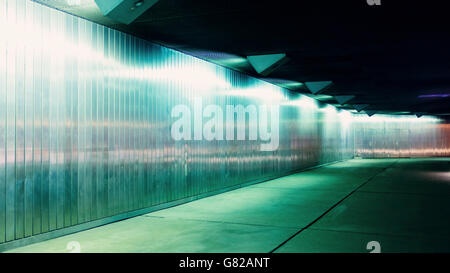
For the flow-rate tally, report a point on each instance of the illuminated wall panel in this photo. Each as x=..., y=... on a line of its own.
x=401, y=136
x=85, y=124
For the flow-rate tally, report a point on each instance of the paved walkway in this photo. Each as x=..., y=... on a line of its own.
x=403, y=204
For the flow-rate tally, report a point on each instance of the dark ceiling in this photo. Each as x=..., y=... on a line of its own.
x=386, y=56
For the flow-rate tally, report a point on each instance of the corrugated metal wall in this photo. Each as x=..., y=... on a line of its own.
x=85, y=121
x=402, y=136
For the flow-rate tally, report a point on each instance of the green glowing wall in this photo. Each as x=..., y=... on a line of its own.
x=383, y=136
x=85, y=124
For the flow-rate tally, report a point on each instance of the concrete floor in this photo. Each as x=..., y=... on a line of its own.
x=404, y=204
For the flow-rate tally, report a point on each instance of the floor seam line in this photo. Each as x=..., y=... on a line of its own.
x=380, y=234
x=333, y=206
x=365, y=233
x=293, y=188
x=407, y=193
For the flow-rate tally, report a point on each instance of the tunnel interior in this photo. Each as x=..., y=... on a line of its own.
x=98, y=125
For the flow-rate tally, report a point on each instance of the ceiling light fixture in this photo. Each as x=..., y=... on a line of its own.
x=434, y=96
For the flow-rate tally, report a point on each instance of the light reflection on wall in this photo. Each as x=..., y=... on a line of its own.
x=401, y=136
x=85, y=124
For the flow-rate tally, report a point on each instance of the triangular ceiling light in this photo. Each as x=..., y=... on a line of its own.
x=344, y=99
x=360, y=107
x=265, y=64
x=370, y=112
x=316, y=87
x=419, y=114
x=123, y=11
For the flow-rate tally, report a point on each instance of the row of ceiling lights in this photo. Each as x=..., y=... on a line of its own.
x=267, y=63
x=263, y=64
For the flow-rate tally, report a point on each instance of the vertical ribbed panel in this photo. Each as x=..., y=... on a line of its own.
x=85, y=122
x=3, y=132
x=401, y=136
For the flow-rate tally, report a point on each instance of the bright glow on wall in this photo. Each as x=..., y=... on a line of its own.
x=346, y=119
x=382, y=136
x=86, y=111
x=399, y=118
x=57, y=42
x=304, y=102
x=73, y=2
x=328, y=109
x=264, y=92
